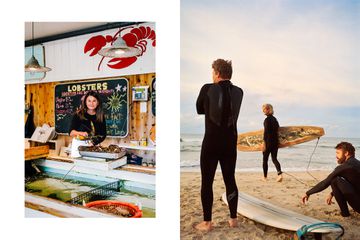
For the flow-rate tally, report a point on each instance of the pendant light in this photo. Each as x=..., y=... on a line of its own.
x=119, y=49
x=33, y=65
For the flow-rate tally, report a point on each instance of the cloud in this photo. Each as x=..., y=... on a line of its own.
x=307, y=58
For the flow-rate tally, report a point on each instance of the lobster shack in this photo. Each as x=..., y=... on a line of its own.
x=90, y=119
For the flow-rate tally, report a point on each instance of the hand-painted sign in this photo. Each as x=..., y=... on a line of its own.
x=113, y=94
x=136, y=37
x=68, y=62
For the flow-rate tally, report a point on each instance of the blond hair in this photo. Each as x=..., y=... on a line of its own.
x=268, y=106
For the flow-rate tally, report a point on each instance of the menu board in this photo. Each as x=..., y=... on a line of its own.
x=114, y=95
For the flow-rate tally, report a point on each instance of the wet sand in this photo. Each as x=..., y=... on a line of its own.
x=286, y=194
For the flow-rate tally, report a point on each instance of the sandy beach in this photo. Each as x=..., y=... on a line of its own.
x=286, y=194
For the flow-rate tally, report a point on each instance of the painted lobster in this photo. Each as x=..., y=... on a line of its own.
x=137, y=37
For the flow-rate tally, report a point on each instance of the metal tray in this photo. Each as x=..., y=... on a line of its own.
x=102, y=154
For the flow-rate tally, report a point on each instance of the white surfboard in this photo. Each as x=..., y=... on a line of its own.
x=271, y=215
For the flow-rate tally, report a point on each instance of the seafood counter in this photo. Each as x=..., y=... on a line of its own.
x=110, y=152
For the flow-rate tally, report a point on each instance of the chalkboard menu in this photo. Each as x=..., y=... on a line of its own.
x=113, y=94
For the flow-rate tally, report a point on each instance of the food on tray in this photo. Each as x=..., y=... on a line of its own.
x=110, y=149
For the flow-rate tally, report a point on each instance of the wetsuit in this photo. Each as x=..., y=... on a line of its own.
x=221, y=105
x=345, y=185
x=89, y=125
x=271, y=140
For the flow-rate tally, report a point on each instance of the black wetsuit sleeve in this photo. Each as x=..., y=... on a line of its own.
x=268, y=130
x=327, y=181
x=100, y=132
x=200, y=102
x=75, y=123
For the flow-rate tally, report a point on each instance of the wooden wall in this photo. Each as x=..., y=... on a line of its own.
x=42, y=101
x=139, y=123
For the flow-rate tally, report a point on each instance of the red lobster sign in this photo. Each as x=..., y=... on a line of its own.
x=136, y=37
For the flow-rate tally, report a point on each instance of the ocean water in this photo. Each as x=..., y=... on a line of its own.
x=295, y=158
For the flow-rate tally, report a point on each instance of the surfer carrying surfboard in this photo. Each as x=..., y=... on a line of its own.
x=344, y=181
x=220, y=102
x=271, y=141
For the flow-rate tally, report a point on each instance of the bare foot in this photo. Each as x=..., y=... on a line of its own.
x=204, y=226
x=264, y=179
x=279, y=178
x=233, y=222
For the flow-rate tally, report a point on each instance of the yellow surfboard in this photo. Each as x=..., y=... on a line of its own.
x=288, y=136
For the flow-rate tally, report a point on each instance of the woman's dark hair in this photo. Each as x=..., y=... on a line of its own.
x=346, y=147
x=83, y=108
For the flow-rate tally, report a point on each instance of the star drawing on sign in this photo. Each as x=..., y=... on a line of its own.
x=118, y=88
x=124, y=89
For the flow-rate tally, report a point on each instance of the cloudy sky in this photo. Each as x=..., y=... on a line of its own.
x=301, y=56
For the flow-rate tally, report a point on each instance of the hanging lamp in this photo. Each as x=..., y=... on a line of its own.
x=119, y=49
x=33, y=65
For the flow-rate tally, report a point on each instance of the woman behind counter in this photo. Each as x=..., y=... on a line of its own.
x=89, y=120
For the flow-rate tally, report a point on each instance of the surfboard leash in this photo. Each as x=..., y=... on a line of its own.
x=307, y=169
x=295, y=178
x=302, y=233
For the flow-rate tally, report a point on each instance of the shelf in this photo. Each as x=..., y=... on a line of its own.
x=139, y=169
x=36, y=152
x=148, y=148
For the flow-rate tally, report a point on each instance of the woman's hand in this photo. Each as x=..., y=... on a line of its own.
x=263, y=147
x=84, y=134
x=75, y=133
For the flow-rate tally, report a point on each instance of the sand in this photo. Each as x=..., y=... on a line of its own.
x=286, y=194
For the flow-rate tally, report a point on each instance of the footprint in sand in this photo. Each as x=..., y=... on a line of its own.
x=332, y=212
x=192, y=201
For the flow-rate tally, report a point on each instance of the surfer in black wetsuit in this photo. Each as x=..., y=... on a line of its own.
x=271, y=141
x=220, y=102
x=344, y=181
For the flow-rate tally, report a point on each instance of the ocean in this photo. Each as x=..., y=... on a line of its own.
x=295, y=158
